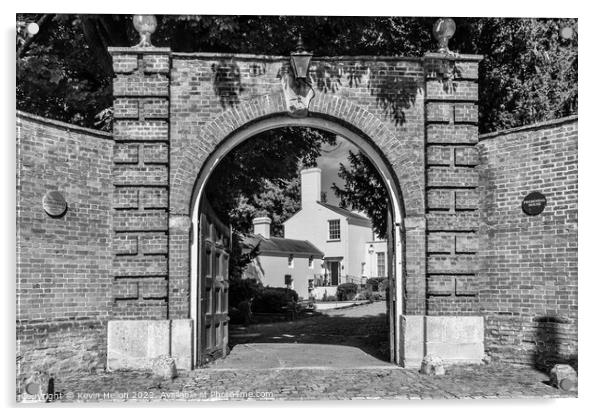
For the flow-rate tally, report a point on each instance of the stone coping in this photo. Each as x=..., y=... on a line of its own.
x=247, y=56
x=534, y=126
x=64, y=126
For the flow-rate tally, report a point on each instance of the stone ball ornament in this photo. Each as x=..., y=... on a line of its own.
x=443, y=30
x=54, y=204
x=145, y=25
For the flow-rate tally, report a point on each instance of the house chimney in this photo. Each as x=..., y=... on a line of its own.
x=261, y=226
x=310, y=186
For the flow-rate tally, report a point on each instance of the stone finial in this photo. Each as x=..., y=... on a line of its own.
x=145, y=24
x=443, y=30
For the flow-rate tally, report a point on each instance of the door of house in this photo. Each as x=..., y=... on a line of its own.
x=214, y=253
x=333, y=268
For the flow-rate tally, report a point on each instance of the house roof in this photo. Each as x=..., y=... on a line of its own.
x=277, y=245
x=356, y=219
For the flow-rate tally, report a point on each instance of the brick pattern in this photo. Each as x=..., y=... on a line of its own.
x=140, y=185
x=528, y=264
x=212, y=96
x=451, y=186
x=63, y=264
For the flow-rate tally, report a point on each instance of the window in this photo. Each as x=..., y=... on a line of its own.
x=380, y=263
x=310, y=262
x=334, y=229
x=291, y=262
x=288, y=280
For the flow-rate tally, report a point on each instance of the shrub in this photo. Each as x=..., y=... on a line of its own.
x=274, y=299
x=346, y=291
x=242, y=289
x=375, y=283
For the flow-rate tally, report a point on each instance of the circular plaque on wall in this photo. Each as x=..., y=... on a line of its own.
x=54, y=204
x=534, y=203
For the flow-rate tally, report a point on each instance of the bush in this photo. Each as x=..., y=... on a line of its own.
x=375, y=283
x=274, y=299
x=346, y=291
x=242, y=289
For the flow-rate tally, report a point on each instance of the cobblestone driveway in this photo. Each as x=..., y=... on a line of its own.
x=348, y=327
x=485, y=381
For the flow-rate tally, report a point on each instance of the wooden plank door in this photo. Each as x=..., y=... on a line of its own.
x=391, y=295
x=214, y=255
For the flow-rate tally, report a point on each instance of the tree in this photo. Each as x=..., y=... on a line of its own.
x=529, y=71
x=261, y=176
x=528, y=74
x=363, y=190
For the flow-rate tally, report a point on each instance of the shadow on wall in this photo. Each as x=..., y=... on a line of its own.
x=226, y=83
x=395, y=92
x=555, y=343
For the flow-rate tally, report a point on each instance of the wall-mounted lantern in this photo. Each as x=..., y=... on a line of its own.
x=145, y=24
x=300, y=59
x=443, y=30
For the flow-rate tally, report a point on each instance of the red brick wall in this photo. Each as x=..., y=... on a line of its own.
x=528, y=264
x=395, y=102
x=64, y=265
x=140, y=185
x=451, y=185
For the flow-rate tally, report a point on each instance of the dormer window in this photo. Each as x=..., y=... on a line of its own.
x=334, y=229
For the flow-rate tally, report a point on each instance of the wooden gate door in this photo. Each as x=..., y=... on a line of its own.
x=214, y=254
x=391, y=295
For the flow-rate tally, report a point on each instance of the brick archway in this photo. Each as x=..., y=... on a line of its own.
x=320, y=121
x=173, y=111
x=325, y=109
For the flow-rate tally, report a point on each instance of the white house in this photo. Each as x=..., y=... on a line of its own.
x=281, y=262
x=343, y=236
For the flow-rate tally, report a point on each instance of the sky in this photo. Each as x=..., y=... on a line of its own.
x=329, y=161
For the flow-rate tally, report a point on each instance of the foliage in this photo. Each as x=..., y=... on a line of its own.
x=346, y=291
x=260, y=177
x=242, y=289
x=274, y=299
x=364, y=190
x=58, y=76
x=369, y=295
x=328, y=298
x=375, y=283
x=529, y=72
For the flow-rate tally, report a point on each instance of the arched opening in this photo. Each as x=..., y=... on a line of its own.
x=395, y=264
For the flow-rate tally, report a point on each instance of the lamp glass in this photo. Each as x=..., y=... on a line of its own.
x=300, y=63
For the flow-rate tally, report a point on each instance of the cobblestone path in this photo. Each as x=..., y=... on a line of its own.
x=347, y=327
x=484, y=381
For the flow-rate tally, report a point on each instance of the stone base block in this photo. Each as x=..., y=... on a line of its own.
x=455, y=339
x=133, y=344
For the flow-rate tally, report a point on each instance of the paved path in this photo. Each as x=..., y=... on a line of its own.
x=354, y=337
x=296, y=355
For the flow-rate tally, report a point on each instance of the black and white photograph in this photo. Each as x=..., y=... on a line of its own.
x=301, y=207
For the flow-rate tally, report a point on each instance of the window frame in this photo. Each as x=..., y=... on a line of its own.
x=330, y=230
